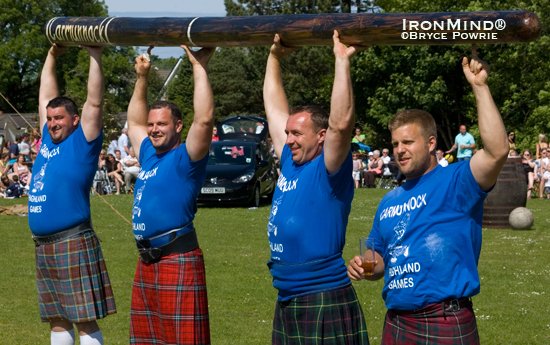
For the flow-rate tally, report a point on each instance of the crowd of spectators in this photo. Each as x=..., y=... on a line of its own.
x=16, y=161
x=119, y=168
x=369, y=167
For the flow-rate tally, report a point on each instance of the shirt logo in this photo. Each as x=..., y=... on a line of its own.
x=413, y=203
x=285, y=185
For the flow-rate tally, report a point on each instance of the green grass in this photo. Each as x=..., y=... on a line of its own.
x=512, y=308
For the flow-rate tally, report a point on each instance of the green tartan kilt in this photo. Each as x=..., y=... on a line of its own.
x=331, y=317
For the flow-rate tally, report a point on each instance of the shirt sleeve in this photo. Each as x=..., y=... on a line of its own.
x=463, y=190
x=340, y=182
x=84, y=149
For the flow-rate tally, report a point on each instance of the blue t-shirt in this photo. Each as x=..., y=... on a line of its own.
x=166, y=190
x=466, y=139
x=307, y=227
x=429, y=233
x=63, y=173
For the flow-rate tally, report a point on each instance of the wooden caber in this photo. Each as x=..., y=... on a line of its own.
x=300, y=30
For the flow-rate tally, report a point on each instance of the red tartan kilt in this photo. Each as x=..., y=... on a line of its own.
x=431, y=326
x=169, y=301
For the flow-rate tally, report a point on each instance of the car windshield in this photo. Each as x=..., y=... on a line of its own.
x=230, y=155
x=243, y=125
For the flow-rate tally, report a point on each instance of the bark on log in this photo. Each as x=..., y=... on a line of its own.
x=300, y=30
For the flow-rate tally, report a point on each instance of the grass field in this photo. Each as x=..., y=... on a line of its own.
x=512, y=308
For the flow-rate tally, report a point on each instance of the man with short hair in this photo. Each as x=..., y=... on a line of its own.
x=25, y=147
x=169, y=303
x=440, y=159
x=310, y=210
x=13, y=150
x=465, y=143
x=73, y=284
x=427, y=233
x=386, y=156
x=130, y=168
x=123, y=143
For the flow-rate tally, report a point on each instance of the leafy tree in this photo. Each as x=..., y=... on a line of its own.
x=24, y=48
x=388, y=79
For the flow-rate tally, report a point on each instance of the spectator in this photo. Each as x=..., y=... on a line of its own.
x=37, y=141
x=20, y=170
x=25, y=147
x=131, y=169
x=513, y=153
x=118, y=156
x=237, y=151
x=215, y=134
x=512, y=140
x=14, y=189
x=357, y=167
x=123, y=143
x=113, y=145
x=358, y=138
x=542, y=170
x=4, y=184
x=385, y=156
x=465, y=143
x=440, y=159
x=542, y=144
x=529, y=168
x=5, y=165
x=114, y=169
x=374, y=169
x=14, y=149
x=6, y=147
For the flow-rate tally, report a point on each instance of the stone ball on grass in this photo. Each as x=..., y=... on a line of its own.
x=521, y=219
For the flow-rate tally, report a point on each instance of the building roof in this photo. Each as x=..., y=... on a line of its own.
x=15, y=121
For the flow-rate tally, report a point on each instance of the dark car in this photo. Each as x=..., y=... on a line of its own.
x=240, y=168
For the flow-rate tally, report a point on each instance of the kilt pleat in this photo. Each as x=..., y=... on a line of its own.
x=169, y=301
x=72, y=280
x=331, y=317
x=431, y=326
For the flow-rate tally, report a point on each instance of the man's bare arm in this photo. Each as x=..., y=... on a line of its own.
x=48, y=83
x=487, y=163
x=199, y=137
x=275, y=103
x=92, y=112
x=342, y=108
x=137, y=109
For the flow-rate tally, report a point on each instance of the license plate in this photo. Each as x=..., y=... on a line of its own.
x=215, y=190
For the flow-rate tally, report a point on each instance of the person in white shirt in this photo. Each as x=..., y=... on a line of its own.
x=131, y=169
x=386, y=156
x=123, y=143
x=542, y=171
x=440, y=159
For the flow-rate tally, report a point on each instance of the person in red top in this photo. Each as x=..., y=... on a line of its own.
x=215, y=134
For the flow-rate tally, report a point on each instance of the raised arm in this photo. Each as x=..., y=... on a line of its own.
x=137, y=109
x=92, y=112
x=342, y=109
x=199, y=137
x=487, y=163
x=48, y=83
x=275, y=102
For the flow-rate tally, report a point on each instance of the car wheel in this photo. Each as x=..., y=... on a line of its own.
x=256, y=198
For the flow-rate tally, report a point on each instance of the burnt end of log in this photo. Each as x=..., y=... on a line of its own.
x=300, y=30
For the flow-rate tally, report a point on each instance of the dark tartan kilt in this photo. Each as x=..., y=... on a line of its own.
x=72, y=279
x=331, y=317
x=169, y=302
x=431, y=325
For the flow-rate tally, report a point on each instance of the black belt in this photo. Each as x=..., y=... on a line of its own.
x=178, y=245
x=63, y=235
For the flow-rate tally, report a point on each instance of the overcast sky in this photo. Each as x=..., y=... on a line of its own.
x=166, y=8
